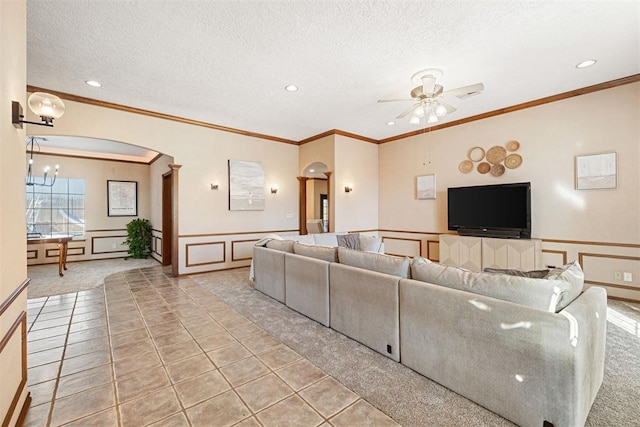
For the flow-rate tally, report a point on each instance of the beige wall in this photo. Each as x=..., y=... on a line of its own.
x=315, y=187
x=321, y=150
x=550, y=135
x=356, y=162
x=104, y=235
x=211, y=236
x=13, y=266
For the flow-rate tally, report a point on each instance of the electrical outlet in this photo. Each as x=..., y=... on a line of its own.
x=627, y=277
x=617, y=275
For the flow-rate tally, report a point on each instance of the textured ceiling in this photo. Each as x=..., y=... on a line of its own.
x=227, y=62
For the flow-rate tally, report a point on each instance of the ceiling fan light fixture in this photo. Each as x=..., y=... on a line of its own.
x=414, y=120
x=419, y=112
x=432, y=118
x=441, y=110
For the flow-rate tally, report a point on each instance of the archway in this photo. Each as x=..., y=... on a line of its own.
x=315, y=199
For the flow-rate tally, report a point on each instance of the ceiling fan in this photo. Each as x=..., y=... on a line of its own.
x=428, y=97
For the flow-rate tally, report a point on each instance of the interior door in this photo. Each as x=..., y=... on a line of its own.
x=167, y=221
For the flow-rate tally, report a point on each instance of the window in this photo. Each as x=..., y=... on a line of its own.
x=56, y=210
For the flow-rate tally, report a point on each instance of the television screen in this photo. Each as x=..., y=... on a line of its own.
x=502, y=210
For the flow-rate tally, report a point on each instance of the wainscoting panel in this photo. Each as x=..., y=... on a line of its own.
x=242, y=250
x=201, y=253
x=553, y=258
x=109, y=244
x=402, y=246
x=205, y=253
x=13, y=353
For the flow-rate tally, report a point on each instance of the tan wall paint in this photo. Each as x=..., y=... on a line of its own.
x=13, y=265
x=355, y=162
x=550, y=135
x=204, y=154
x=96, y=173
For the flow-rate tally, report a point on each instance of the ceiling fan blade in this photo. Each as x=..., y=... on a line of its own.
x=465, y=91
x=450, y=108
x=396, y=100
x=408, y=111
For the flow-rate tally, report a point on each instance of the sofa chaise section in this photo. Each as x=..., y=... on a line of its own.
x=526, y=364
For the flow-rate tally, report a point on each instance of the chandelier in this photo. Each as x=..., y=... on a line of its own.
x=47, y=181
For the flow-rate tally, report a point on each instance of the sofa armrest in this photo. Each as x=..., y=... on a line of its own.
x=268, y=272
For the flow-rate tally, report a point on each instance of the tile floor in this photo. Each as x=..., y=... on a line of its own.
x=148, y=349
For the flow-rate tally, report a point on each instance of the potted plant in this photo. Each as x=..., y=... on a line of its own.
x=139, y=238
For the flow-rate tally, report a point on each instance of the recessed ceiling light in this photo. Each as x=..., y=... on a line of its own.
x=291, y=88
x=312, y=170
x=391, y=123
x=93, y=83
x=587, y=63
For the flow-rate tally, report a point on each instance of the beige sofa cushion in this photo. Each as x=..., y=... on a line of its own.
x=319, y=252
x=388, y=264
x=543, y=294
x=281, y=245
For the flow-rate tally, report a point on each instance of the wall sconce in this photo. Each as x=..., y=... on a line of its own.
x=48, y=107
x=215, y=185
x=348, y=188
x=274, y=189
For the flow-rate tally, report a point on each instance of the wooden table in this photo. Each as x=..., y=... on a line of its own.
x=62, y=241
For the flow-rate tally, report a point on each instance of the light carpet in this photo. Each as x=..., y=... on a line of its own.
x=79, y=276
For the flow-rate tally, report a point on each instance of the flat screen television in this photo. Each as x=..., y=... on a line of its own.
x=502, y=210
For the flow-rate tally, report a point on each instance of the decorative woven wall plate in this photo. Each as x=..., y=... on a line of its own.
x=513, y=161
x=513, y=145
x=465, y=166
x=476, y=154
x=497, y=170
x=484, y=167
x=496, y=154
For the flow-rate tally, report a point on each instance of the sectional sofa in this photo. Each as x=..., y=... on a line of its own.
x=529, y=349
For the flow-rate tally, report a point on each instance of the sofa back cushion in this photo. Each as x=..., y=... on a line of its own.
x=543, y=294
x=319, y=252
x=388, y=264
x=281, y=245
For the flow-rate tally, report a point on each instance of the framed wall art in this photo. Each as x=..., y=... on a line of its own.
x=122, y=198
x=596, y=171
x=246, y=186
x=426, y=187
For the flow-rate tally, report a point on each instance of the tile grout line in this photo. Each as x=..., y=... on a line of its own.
x=64, y=351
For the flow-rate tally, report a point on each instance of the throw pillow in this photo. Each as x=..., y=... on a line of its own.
x=351, y=241
x=370, y=243
x=534, y=274
x=319, y=252
x=571, y=273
